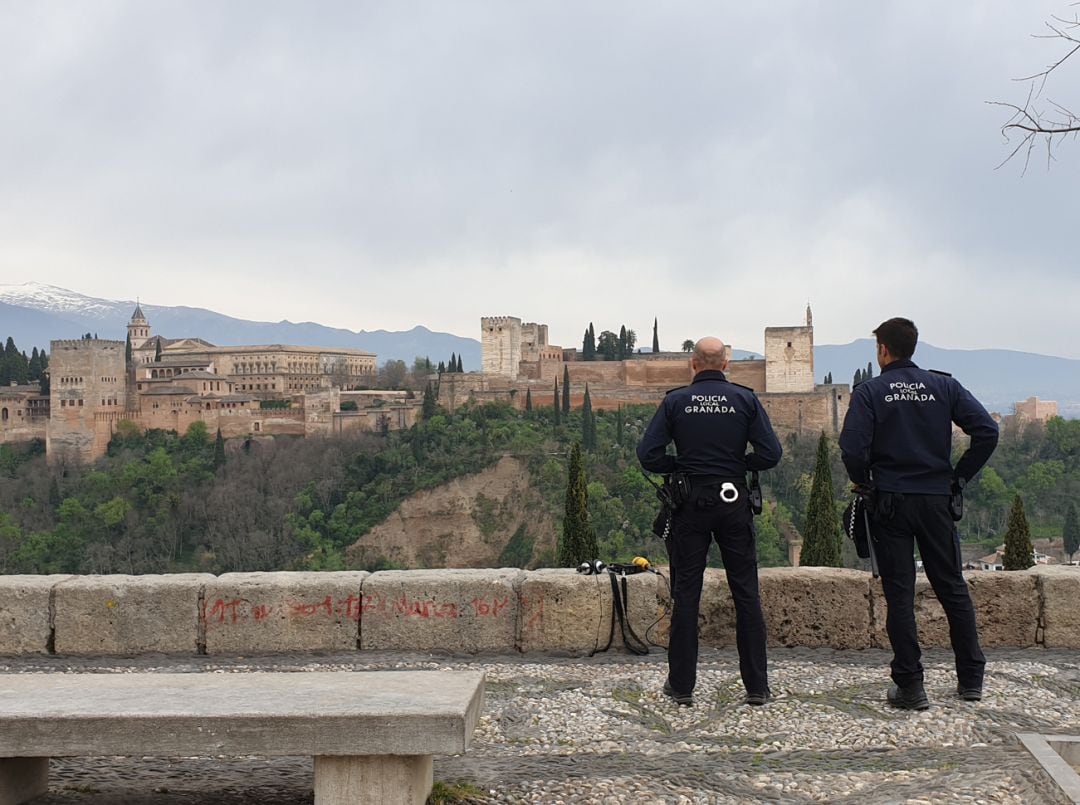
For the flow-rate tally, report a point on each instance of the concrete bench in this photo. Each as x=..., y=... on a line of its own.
x=372, y=733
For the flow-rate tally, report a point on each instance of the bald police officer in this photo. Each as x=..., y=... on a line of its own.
x=897, y=440
x=711, y=421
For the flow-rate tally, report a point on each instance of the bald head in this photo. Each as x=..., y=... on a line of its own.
x=709, y=353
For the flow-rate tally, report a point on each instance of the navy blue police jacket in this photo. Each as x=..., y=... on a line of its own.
x=711, y=422
x=898, y=429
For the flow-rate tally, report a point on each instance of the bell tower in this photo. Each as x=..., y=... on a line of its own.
x=138, y=328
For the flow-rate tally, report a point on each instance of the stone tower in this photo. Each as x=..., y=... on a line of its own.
x=138, y=328
x=500, y=345
x=789, y=357
x=87, y=397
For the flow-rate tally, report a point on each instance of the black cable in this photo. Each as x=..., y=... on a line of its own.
x=665, y=614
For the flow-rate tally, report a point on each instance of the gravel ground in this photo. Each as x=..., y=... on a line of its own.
x=598, y=730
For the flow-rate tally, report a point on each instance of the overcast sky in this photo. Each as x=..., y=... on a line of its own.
x=382, y=165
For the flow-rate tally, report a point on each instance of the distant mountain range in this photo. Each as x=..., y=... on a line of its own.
x=33, y=314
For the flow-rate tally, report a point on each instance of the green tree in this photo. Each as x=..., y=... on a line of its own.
x=127, y=349
x=157, y=351
x=608, y=346
x=588, y=423
x=687, y=345
x=219, y=450
x=1019, y=552
x=528, y=400
x=588, y=346
x=655, y=337
x=622, y=343
x=566, y=389
x=460, y=365
x=821, y=531
x=1070, y=532
x=555, y=402
x=578, y=541
x=869, y=371
x=427, y=411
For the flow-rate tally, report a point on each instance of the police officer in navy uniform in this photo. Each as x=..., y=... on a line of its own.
x=897, y=442
x=711, y=421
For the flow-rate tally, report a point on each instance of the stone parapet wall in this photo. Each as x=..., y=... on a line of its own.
x=496, y=610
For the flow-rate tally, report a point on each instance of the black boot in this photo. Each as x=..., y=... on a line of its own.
x=911, y=697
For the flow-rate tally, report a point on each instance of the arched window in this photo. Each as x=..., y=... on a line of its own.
x=4, y=415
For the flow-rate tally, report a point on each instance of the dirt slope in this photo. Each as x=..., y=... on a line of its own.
x=465, y=523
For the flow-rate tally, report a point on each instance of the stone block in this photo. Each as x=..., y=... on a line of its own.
x=128, y=614
x=385, y=779
x=716, y=614
x=566, y=612
x=274, y=612
x=23, y=779
x=452, y=610
x=816, y=606
x=1059, y=592
x=25, y=626
x=1006, y=610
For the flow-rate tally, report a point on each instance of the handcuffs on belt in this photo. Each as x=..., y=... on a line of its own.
x=729, y=493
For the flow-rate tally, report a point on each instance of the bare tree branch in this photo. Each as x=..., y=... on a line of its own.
x=1033, y=122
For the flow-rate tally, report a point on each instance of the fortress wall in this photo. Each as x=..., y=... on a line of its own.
x=807, y=413
x=490, y=610
x=747, y=373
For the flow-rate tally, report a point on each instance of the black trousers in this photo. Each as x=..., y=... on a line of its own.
x=701, y=519
x=897, y=522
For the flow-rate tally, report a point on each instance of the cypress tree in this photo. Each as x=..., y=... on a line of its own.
x=528, y=400
x=589, y=347
x=127, y=349
x=869, y=371
x=1070, y=533
x=460, y=365
x=566, y=389
x=588, y=423
x=157, y=352
x=1019, y=552
x=821, y=531
x=452, y=366
x=578, y=542
x=619, y=426
x=219, y=450
x=555, y=402
x=622, y=343
x=427, y=411
x=442, y=368
x=54, y=492
x=655, y=337
x=33, y=368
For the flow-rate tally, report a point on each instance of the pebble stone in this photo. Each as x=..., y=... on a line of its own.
x=598, y=730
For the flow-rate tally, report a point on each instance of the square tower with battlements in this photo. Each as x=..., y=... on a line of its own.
x=87, y=397
x=789, y=358
x=500, y=345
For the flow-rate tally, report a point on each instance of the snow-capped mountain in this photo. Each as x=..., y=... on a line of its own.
x=34, y=313
x=49, y=298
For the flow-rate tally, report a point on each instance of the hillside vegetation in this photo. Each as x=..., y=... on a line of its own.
x=161, y=502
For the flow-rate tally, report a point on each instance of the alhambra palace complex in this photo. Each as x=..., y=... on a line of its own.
x=172, y=383
x=518, y=361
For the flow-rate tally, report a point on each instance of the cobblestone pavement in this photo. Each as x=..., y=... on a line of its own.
x=597, y=730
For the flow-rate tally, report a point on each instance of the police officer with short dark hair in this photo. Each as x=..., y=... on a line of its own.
x=897, y=442
x=711, y=421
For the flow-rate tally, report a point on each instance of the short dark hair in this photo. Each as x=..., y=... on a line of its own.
x=899, y=337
